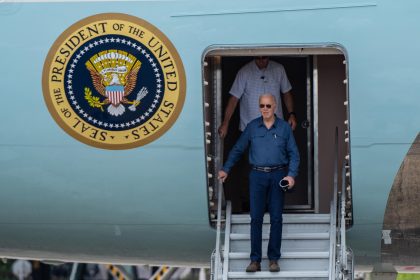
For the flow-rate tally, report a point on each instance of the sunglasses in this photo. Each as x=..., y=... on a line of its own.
x=265, y=105
x=262, y=57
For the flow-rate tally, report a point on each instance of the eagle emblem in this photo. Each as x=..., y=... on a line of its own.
x=114, y=76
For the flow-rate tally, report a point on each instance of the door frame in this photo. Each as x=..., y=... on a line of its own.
x=310, y=51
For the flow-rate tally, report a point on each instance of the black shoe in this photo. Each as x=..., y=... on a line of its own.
x=253, y=267
x=274, y=266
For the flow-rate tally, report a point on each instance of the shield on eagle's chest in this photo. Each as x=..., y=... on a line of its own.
x=115, y=94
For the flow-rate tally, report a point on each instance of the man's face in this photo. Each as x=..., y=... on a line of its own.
x=267, y=107
x=261, y=61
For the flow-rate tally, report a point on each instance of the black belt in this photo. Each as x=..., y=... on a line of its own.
x=268, y=168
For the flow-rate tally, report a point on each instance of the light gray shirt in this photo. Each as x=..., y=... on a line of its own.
x=251, y=82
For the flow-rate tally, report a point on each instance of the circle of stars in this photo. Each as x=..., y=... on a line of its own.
x=93, y=120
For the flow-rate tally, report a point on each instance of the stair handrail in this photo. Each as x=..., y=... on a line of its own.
x=217, y=255
x=226, y=247
x=339, y=263
x=333, y=213
x=340, y=243
x=332, y=250
x=343, y=245
x=345, y=259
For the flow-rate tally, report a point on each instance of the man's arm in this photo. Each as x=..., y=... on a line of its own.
x=288, y=101
x=235, y=154
x=293, y=154
x=294, y=160
x=230, y=108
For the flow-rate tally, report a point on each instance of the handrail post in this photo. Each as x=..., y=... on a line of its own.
x=226, y=247
x=332, y=241
x=333, y=212
x=219, y=229
x=338, y=249
x=343, y=221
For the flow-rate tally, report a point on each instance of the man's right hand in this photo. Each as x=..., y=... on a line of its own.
x=222, y=176
x=230, y=108
x=292, y=121
x=223, y=129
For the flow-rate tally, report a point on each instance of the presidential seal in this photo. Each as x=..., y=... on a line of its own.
x=114, y=81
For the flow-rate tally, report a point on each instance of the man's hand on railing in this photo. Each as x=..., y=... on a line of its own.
x=222, y=176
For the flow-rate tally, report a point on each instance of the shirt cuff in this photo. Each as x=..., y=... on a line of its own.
x=226, y=170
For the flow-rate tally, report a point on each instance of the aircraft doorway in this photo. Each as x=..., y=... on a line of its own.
x=318, y=77
x=236, y=187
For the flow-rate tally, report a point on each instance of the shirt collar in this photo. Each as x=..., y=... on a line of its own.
x=275, y=124
x=276, y=121
x=261, y=70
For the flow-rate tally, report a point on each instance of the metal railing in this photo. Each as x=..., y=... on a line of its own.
x=341, y=267
x=226, y=247
x=333, y=240
x=216, y=258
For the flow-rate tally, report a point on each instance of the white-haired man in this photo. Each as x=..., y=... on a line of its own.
x=274, y=156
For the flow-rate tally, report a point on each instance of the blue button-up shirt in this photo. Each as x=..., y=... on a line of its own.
x=268, y=147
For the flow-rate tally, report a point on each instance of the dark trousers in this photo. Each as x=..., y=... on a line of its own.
x=264, y=189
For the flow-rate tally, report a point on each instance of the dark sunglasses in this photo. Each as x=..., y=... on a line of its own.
x=262, y=57
x=265, y=105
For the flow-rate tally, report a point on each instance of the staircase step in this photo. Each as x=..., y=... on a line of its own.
x=316, y=274
x=300, y=235
x=286, y=255
x=287, y=245
x=286, y=264
x=305, y=248
x=287, y=228
x=287, y=218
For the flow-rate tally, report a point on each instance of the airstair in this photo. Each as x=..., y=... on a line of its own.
x=308, y=249
x=305, y=247
x=313, y=245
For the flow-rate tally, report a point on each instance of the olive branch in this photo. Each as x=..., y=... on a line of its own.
x=93, y=100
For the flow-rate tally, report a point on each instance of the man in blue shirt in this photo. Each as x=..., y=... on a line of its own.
x=274, y=156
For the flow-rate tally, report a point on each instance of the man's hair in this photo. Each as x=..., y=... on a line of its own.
x=268, y=95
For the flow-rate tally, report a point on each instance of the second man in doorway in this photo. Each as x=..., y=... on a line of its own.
x=257, y=77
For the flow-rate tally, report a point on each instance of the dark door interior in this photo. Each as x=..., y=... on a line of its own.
x=236, y=188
